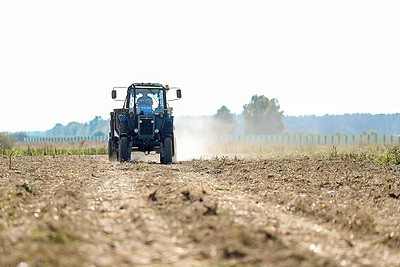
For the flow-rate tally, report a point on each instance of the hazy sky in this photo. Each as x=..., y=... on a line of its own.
x=60, y=59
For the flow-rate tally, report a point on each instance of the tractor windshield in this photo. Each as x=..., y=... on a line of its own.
x=147, y=100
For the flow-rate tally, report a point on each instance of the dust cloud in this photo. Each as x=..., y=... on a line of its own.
x=191, y=137
x=190, y=147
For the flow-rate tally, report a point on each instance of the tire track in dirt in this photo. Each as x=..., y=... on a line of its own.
x=259, y=212
x=134, y=231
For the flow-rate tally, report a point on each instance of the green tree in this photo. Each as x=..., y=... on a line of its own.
x=224, y=121
x=6, y=141
x=94, y=124
x=71, y=128
x=57, y=130
x=263, y=116
x=19, y=136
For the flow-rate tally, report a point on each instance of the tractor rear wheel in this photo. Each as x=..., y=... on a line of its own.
x=124, y=149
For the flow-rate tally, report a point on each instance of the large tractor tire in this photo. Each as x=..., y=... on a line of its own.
x=113, y=149
x=167, y=152
x=124, y=149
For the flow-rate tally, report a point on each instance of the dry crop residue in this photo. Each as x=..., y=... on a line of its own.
x=86, y=211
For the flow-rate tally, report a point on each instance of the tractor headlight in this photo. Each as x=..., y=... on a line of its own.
x=136, y=130
x=156, y=131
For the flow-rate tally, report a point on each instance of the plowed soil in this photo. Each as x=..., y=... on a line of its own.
x=87, y=211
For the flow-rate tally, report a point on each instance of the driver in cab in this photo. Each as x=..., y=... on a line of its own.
x=145, y=100
x=145, y=103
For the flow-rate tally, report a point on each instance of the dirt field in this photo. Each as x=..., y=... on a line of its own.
x=287, y=211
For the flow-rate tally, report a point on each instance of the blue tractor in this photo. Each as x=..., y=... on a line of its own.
x=144, y=123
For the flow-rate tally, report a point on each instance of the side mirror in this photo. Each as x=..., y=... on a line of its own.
x=179, y=93
x=114, y=94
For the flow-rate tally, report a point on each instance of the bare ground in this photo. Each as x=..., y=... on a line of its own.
x=86, y=211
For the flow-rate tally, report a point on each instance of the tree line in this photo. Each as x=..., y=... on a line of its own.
x=95, y=127
x=348, y=123
x=261, y=116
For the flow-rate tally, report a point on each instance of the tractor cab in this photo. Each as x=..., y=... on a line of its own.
x=147, y=101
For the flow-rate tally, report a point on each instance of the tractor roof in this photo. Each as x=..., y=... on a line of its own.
x=148, y=85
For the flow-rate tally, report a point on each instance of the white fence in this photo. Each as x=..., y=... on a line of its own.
x=309, y=139
x=40, y=139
